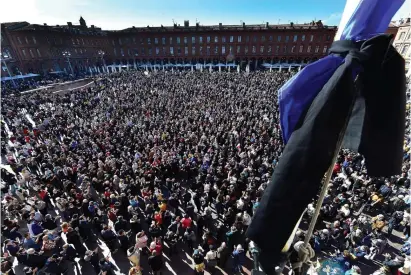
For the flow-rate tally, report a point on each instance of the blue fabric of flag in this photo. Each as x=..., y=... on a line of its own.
x=371, y=17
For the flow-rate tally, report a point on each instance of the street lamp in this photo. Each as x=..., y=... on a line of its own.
x=4, y=58
x=67, y=55
x=101, y=53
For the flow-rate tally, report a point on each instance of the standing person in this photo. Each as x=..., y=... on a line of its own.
x=238, y=259
x=222, y=255
x=155, y=262
x=211, y=259
x=198, y=258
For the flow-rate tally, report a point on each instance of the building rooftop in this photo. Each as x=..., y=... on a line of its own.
x=83, y=29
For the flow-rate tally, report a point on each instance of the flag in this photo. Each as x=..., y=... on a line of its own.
x=312, y=120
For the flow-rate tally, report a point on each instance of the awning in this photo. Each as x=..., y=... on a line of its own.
x=6, y=78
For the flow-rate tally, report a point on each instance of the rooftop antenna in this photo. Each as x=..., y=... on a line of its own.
x=173, y=21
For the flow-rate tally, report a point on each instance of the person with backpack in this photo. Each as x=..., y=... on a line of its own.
x=198, y=258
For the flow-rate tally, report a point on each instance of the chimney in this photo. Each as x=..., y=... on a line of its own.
x=220, y=25
x=244, y=25
x=92, y=26
x=45, y=24
x=70, y=24
x=186, y=23
x=266, y=25
x=197, y=24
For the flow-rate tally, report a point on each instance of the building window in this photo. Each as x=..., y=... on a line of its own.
x=200, y=39
x=178, y=40
x=402, y=34
x=143, y=51
x=208, y=39
x=263, y=38
x=277, y=49
x=295, y=38
x=208, y=50
x=185, y=39
x=231, y=49
x=238, y=48
x=317, y=49
x=261, y=49
x=328, y=38
x=136, y=52
x=148, y=41
x=163, y=40
x=222, y=49
x=115, y=52
x=231, y=38
x=287, y=38
x=279, y=38
x=270, y=38
x=325, y=49
x=223, y=39
x=193, y=50
x=255, y=39
x=171, y=50
x=150, y=51
x=128, y=52
x=34, y=40
x=301, y=48
x=405, y=49
x=216, y=39
x=18, y=39
x=239, y=39
x=293, y=49
x=201, y=49
x=311, y=38
x=309, y=49
x=247, y=39
x=269, y=49
x=171, y=40
x=122, y=52
x=253, y=50
x=24, y=52
x=246, y=49
x=134, y=41
x=119, y=41
x=156, y=40
x=157, y=51
x=31, y=53
x=27, y=40
x=164, y=51
x=193, y=39
x=178, y=51
x=216, y=50
x=186, y=50
x=285, y=49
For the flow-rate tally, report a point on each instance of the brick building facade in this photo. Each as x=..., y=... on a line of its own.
x=39, y=48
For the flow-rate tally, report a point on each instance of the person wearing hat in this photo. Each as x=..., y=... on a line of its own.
x=198, y=258
x=238, y=259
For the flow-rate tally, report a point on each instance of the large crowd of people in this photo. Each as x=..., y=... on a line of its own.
x=152, y=166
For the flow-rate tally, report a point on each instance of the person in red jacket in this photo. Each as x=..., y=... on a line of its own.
x=186, y=222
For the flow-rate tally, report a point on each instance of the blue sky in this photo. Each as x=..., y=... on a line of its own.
x=110, y=14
